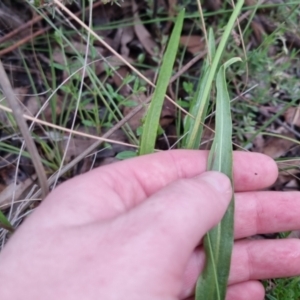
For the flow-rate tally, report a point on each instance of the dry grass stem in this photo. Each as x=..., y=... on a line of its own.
x=20, y=120
x=102, y=139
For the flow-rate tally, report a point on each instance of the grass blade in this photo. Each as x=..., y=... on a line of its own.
x=4, y=223
x=151, y=123
x=193, y=141
x=218, y=242
x=199, y=104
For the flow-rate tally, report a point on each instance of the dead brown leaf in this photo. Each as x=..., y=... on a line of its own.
x=168, y=114
x=194, y=43
x=126, y=37
x=292, y=116
x=277, y=147
x=213, y=5
x=258, y=31
x=142, y=33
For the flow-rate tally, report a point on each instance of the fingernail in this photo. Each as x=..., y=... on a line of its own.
x=218, y=181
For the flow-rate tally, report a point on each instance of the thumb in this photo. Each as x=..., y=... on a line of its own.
x=178, y=216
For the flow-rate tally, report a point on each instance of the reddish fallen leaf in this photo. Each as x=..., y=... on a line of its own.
x=213, y=5
x=292, y=116
x=126, y=37
x=142, y=33
x=194, y=43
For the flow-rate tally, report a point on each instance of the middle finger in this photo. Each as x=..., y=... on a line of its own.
x=251, y=260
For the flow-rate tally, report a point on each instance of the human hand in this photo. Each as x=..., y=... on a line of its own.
x=131, y=230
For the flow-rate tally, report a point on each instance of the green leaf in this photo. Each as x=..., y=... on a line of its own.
x=126, y=154
x=4, y=223
x=193, y=127
x=194, y=131
x=150, y=127
x=218, y=242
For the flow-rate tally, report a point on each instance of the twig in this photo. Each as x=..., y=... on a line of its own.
x=23, y=41
x=20, y=28
x=18, y=114
x=41, y=122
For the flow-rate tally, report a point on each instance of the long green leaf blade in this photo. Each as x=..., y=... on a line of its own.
x=199, y=104
x=151, y=122
x=218, y=242
x=194, y=131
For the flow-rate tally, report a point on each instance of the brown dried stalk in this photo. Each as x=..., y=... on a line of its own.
x=18, y=114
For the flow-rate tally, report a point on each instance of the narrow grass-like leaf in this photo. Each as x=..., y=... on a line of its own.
x=151, y=123
x=199, y=104
x=4, y=223
x=193, y=139
x=218, y=242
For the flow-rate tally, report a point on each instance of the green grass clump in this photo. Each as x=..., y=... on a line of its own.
x=283, y=289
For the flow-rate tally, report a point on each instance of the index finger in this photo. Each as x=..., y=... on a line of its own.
x=143, y=176
x=110, y=190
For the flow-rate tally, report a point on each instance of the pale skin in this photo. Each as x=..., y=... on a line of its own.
x=131, y=230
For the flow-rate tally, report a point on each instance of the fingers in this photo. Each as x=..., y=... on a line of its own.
x=143, y=176
x=249, y=290
x=253, y=171
x=262, y=259
x=177, y=217
x=266, y=212
x=252, y=260
x=112, y=190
